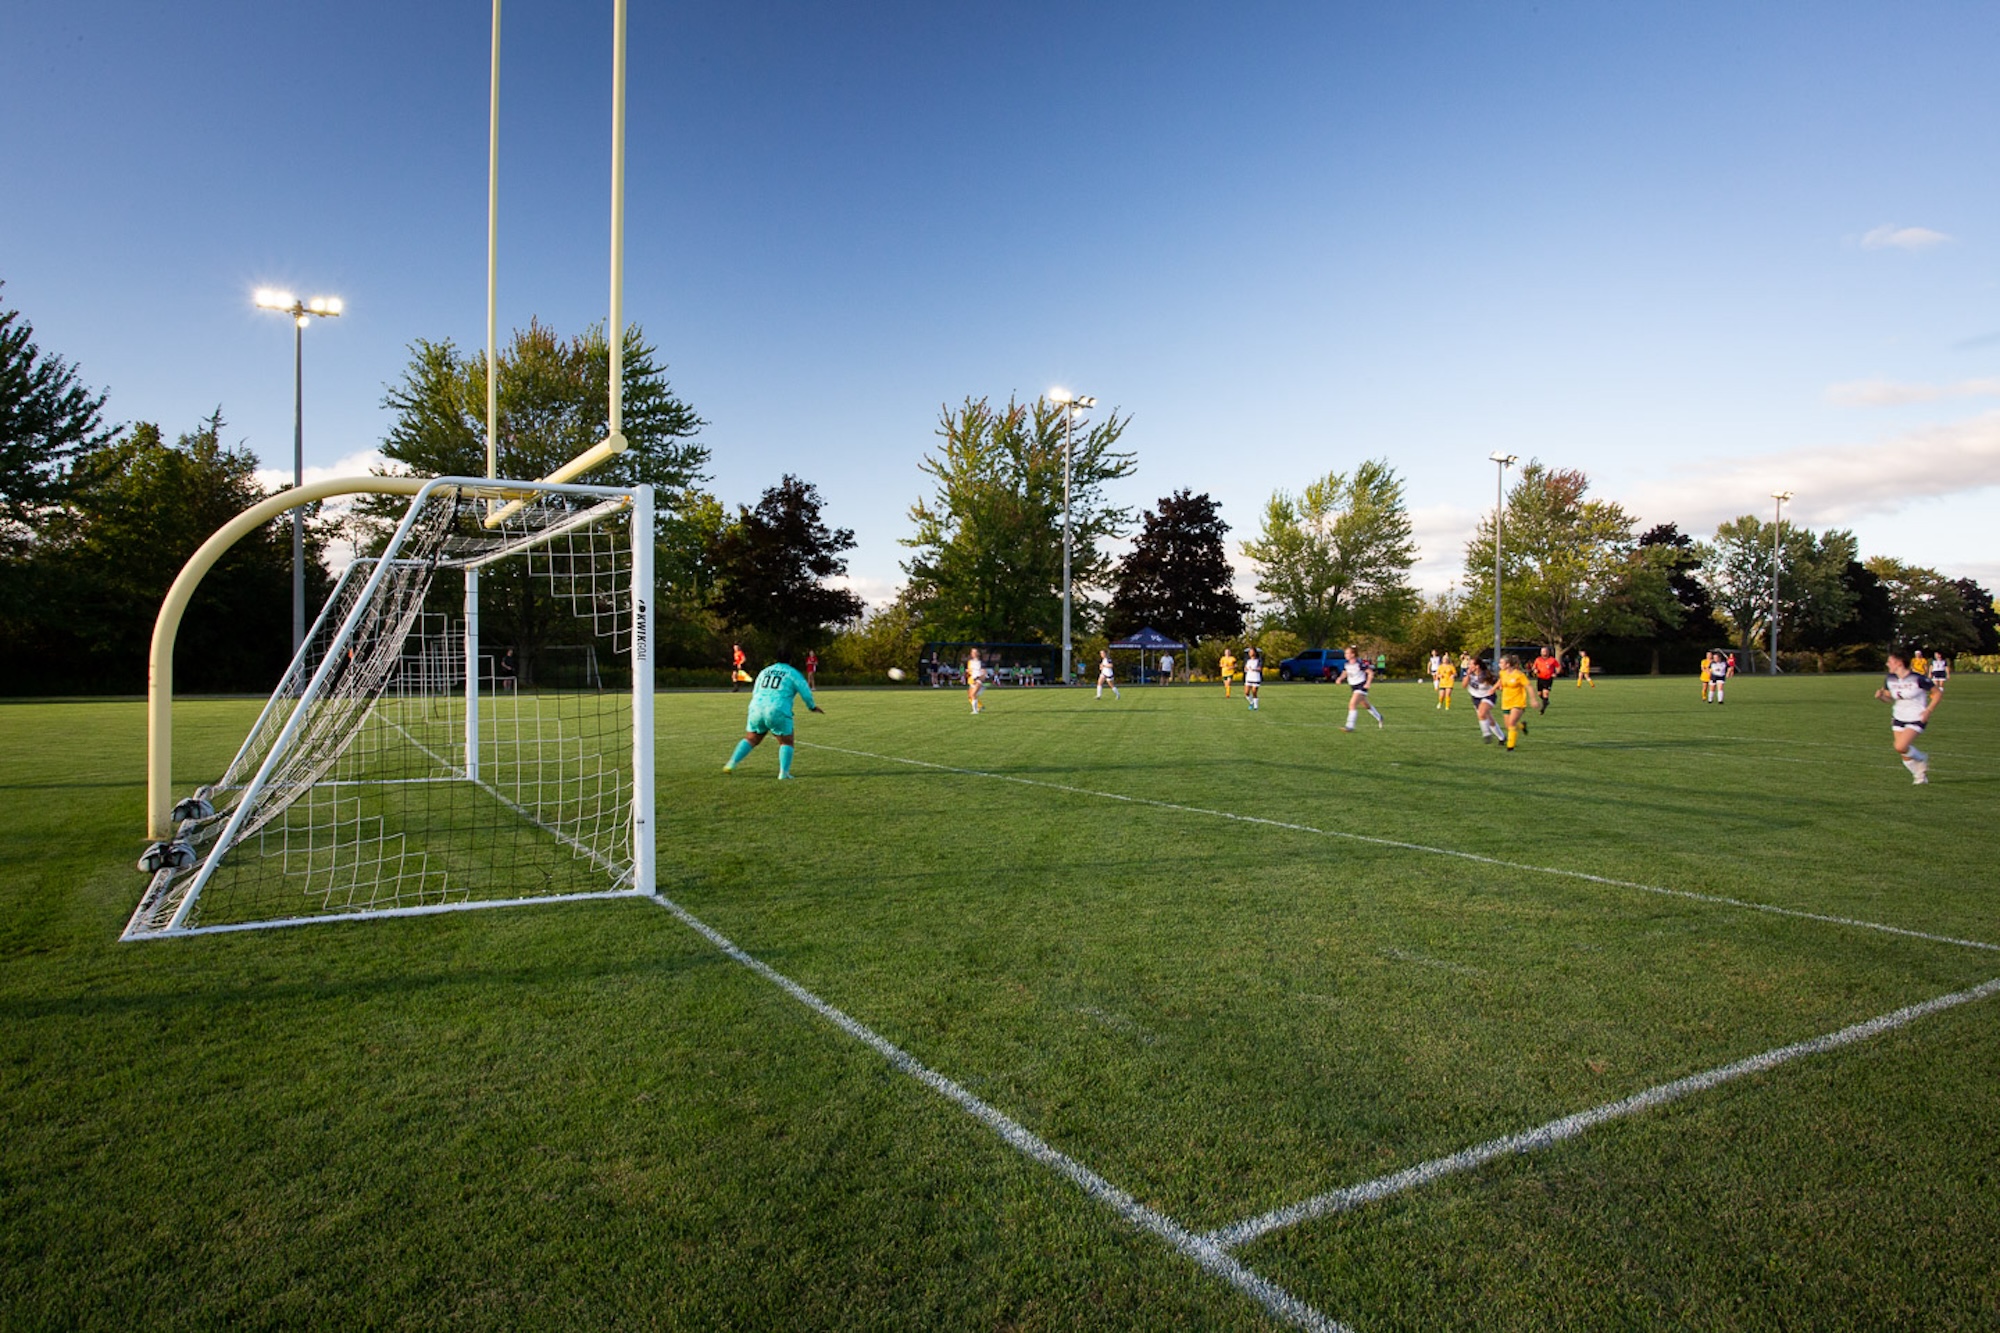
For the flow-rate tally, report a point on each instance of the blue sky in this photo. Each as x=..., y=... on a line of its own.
x=1703, y=251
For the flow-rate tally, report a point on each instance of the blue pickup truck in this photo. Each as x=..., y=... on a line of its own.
x=1313, y=664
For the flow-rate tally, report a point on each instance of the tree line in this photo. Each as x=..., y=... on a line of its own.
x=95, y=521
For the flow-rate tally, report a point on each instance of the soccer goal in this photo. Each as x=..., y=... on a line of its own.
x=387, y=775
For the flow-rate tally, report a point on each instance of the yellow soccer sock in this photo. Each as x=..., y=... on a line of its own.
x=1512, y=732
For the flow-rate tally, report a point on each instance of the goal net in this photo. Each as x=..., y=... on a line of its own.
x=413, y=759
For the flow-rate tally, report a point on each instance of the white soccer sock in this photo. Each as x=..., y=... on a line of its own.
x=1375, y=712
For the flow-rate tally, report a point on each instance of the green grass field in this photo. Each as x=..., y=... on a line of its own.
x=1215, y=964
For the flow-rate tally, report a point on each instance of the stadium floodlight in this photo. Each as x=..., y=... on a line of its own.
x=1777, y=527
x=1070, y=403
x=302, y=313
x=1499, y=512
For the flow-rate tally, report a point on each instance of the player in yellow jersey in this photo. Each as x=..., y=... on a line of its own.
x=1513, y=696
x=1583, y=670
x=1228, y=668
x=1446, y=677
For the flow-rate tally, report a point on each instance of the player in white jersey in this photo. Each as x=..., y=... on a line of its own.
x=975, y=682
x=1253, y=674
x=1482, y=687
x=1912, y=698
x=1360, y=676
x=1718, y=675
x=1940, y=670
x=1106, y=675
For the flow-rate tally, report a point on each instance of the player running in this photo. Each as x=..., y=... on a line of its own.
x=1513, y=697
x=1360, y=676
x=1228, y=668
x=1546, y=668
x=1106, y=675
x=1446, y=676
x=771, y=713
x=1583, y=671
x=1253, y=675
x=1913, y=698
x=975, y=683
x=1481, y=688
x=1718, y=675
x=1940, y=671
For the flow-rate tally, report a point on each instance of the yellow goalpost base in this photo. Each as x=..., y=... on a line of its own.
x=167, y=627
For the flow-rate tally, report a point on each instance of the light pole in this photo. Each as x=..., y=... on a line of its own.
x=1070, y=403
x=302, y=313
x=1777, y=528
x=1499, y=523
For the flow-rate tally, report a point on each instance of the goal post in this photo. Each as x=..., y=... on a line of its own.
x=388, y=774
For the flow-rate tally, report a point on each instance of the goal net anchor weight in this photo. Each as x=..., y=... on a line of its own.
x=385, y=776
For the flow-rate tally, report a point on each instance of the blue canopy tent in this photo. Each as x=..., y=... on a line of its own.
x=1147, y=640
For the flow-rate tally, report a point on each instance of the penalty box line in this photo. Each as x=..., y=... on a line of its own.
x=1570, y=1126
x=1205, y=1253
x=1606, y=880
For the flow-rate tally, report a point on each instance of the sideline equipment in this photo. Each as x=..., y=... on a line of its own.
x=396, y=770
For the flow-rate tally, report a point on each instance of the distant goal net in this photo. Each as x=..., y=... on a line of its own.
x=406, y=764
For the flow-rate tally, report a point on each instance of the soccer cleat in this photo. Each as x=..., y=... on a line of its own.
x=729, y=767
x=1922, y=772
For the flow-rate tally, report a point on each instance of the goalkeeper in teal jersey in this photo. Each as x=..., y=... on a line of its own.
x=771, y=713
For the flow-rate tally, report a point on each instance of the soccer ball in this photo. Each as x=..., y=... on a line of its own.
x=896, y=673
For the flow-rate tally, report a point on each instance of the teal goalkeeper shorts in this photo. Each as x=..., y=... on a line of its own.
x=769, y=719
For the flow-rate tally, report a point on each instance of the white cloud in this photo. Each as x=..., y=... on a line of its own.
x=1890, y=393
x=1441, y=532
x=351, y=465
x=1891, y=237
x=1836, y=484
x=878, y=593
x=339, y=553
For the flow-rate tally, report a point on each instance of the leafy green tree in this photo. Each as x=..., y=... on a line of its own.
x=1662, y=608
x=47, y=422
x=1982, y=611
x=771, y=568
x=1814, y=593
x=1931, y=610
x=988, y=547
x=1176, y=577
x=891, y=636
x=137, y=509
x=689, y=527
x=553, y=405
x=1451, y=622
x=1334, y=560
x=1570, y=564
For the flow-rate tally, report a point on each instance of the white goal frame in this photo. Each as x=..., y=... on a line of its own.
x=497, y=496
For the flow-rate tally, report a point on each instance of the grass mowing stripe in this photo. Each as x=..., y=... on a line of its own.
x=1209, y=1256
x=1716, y=899
x=1569, y=1126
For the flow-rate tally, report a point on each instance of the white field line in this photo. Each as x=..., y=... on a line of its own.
x=1206, y=1254
x=1689, y=894
x=1570, y=1126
